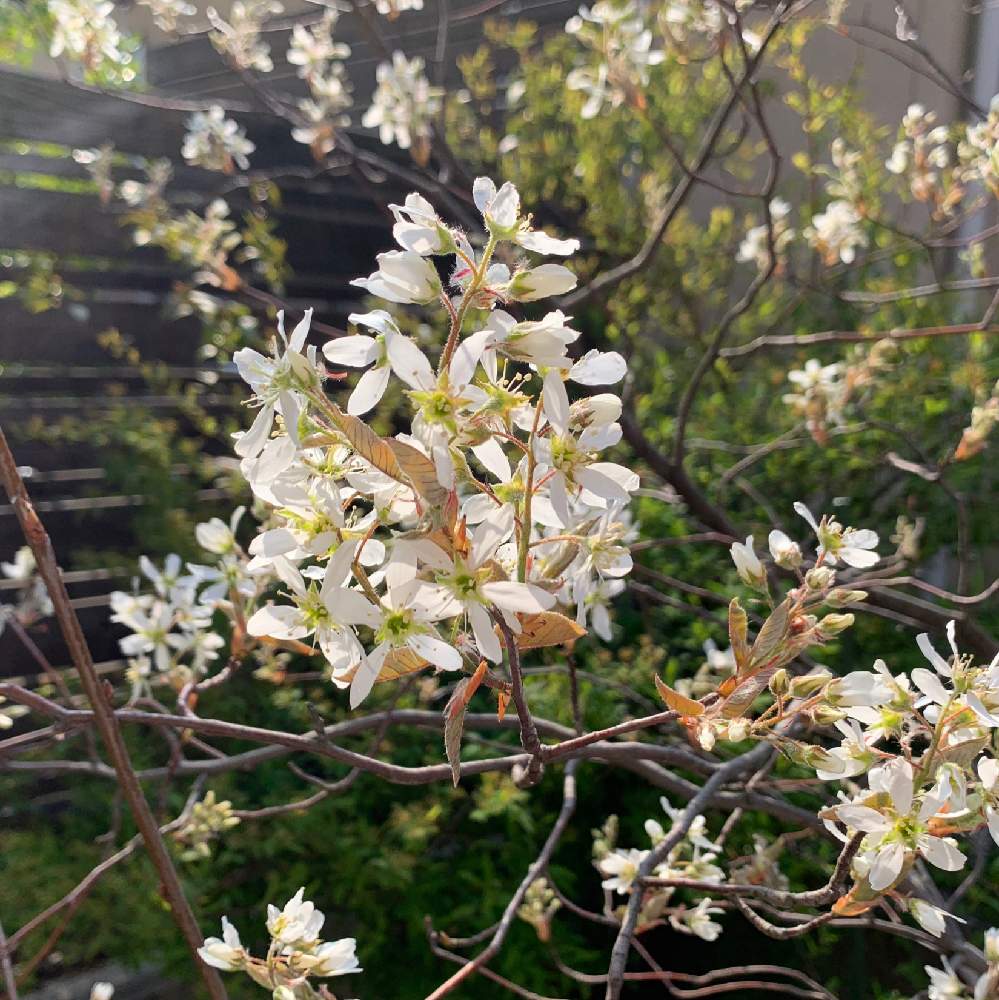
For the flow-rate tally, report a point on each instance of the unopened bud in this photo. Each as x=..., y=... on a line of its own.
x=826, y=715
x=841, y=597
x=780, y=683
x=834, y=624
x=805, y=687
x=706, y=738
x=992, y=945
x=738, y=730
x=819, y=577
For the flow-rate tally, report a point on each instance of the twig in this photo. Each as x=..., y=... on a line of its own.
x=104, y=716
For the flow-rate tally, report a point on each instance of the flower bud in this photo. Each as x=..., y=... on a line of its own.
x=842, y=597
x=826, y=715
x=780, y=683
x=706, y=737
x=819, y=577
x=992, y=945
x=786, y=553
x=738, y=730
x=540, y=282
x=834, y=624
x=805, y=687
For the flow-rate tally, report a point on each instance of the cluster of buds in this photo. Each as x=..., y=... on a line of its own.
x=838, y=232
x=208, y=820
x=296, y=953
x=539, y=907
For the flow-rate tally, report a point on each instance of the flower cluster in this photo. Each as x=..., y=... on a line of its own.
x=837, y=233
x=498, y=505
x=920, y=154
x=404, y=105
x=238, y=39
x=984, y=418
x=320, y=63
x=623, y=41
x=978, y=152
x=86, y=31
x=295, y=955
x=167, y=13
x=946, y=984
x=170, y=630
x=755, y=246
x=33, y=600
x=823, y=391
x=539, y=907
x=693, y=857
x=216, y=142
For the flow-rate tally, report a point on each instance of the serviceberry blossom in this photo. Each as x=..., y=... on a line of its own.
x=837, y=233
x=618, y=34
x=85, y=30
x=755, y=247
x=167, y=13
x=216, y=142
x=295, y=955
x=238, y=39
x=404, y=105
x=978, y=151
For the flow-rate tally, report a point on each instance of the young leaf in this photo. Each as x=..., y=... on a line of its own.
x=548, y=628
x=454, y=722
x=676, y=701
x=737, y=626
x=772, y=633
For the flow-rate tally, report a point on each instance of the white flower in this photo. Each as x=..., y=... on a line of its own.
x=785, y=552
x=621, y=867
x=900, y=829
x=851, y=545
x=698, y=921
x=216, y=142
x=217, y=536
x=225, y=953
x=329, y=611
x=468, y=585
x=747, y=563
x=404, y=104
x=402, y=276
x=335, y=958
x=931, y=918
x=102, y=991
x=403, y=624
x=501, y=211
x=541, y=282
x=298, y=923
x=277, y=383
x=837, y=232
x=239, y=38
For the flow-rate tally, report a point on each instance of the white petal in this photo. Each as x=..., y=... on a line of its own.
x=351, y=607
x=929, y=683
x=355, y=352
x=369, y=390
x=804, y=512
x=556, y=402
x=599, y=368
x=490, y=453
x=367, y=673
x=485, y=637
x=858, y=558
x=942, y=852
x=513, y=596
x=280, y=621
x=253, y=441
x=409, y=362
x=436, y=651
x=491, y=533
x=887, y=867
